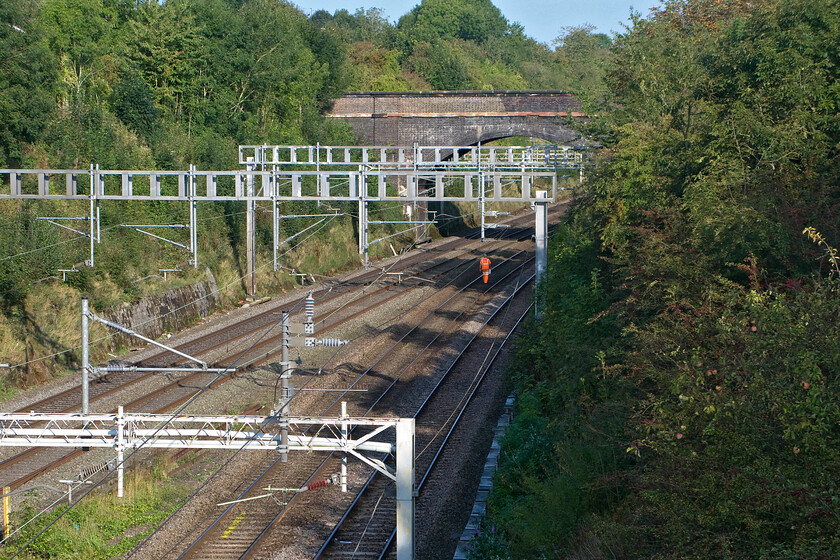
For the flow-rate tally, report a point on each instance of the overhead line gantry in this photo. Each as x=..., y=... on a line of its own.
x=289, y=173
x=416, y=174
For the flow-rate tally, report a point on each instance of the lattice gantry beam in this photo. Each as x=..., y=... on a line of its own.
x=198, y=432
x=407, y=157
x=319, y=173
x=279, y=185
x=130, y=431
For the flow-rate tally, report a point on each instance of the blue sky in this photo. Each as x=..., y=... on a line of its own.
x=542, y=19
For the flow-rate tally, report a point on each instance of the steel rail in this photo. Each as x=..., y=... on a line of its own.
x=258, y=321
x=419, y=258
x=291, y=501
x=458, y=418
x=388, y=389
x=276, y=339
x=440, y=382
x=29, y=453
x=435, y=310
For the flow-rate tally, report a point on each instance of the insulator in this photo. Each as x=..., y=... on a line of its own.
x=310, y=308
x=332, y=342
x=87, y=472
x=117, y=368
x=319, y=484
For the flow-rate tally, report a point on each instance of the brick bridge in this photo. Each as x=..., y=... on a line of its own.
x=458, y=118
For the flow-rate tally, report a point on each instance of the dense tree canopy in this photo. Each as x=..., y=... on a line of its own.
x=679, y=398
x=682, y=400
x=145, y=84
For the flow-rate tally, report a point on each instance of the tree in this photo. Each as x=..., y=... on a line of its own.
x=470, y=20
x=27, y=77
x=166, y=45
x=84, y=34
x=680, y=392
x=583, y=58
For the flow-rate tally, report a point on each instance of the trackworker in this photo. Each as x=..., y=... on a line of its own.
x=485, y=267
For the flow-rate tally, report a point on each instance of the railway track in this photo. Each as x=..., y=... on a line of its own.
x=445, y=267
x=23, y=467
x=368, y=528
x=412, y=266
x=380, y=381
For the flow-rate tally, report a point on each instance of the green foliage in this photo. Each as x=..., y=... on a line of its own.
x=134, y=106
x=378, y=69
x=100, y=527
x=470, y=45
x=441, y=65
x=680, y=395
x=168, y=48
x=469, y=20
x=559, y=451
x=26, y=80
x=488, y=545
x=746, y=407
x=582, y=59
x=363, y=26
x=23, y=239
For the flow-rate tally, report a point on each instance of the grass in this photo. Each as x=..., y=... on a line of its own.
x=101, y=526
x=47, y=324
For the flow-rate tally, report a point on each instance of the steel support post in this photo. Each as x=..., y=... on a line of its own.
x=345, y=433
x=191, y=190
x=285, y=389
x=251, y=234
x=481, y=201
x=275, y=218
x=541, y=238
x=85, y=354
x=405, y=489
x=120, y=450
x=417, y=207
x=363, y=230
x=92, y=212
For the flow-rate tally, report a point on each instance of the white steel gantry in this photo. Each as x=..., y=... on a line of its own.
x=453, y=179
x=409, y=175
x=126, y=432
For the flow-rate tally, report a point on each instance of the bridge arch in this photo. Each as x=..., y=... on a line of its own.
x=459, y=118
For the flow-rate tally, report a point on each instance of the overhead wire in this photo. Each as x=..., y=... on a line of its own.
x=170, y=312
x=160, y=427
x=312, y=376
x=478, y=373
x=193, y=398
x=277, y=413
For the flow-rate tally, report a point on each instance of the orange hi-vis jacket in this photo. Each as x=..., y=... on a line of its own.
x=485, y=268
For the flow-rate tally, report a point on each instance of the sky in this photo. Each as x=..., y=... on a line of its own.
x=542, y=19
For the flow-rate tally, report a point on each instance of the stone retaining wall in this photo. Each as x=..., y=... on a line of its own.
x=169, y=312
